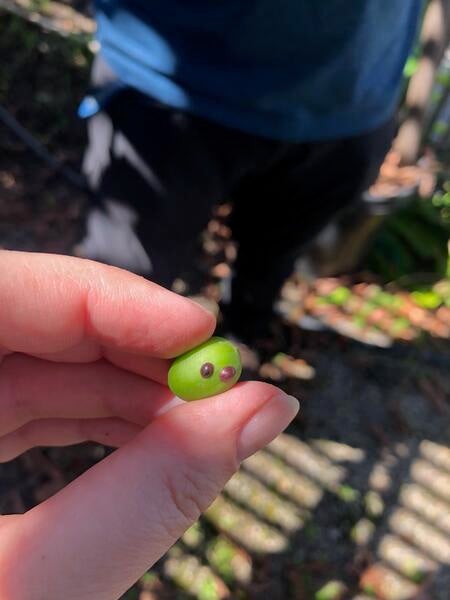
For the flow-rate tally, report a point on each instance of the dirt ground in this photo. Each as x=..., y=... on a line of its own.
x=353, y=501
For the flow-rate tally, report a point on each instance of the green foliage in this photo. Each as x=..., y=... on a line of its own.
x=399, y=325
x=39, y=5
x=311, y=531
x=410, y=67
x=427, y=299
x=339, y=296
x=194, y=536
x=386, y=300
x=414, y=240
x=347, y=494
x=333, y=590
x=148, y=579
x=374, y=504
x=220, y=555
x=414, y=573
x=359, y=320
x=368, y=589
x=46, y=78
x=208, y=590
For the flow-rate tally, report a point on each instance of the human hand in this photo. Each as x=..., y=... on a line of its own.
x=84, y=352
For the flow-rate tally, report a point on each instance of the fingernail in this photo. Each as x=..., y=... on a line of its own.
x=175, y=401
x=274, y=416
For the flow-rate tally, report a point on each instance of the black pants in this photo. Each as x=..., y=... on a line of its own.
x=158, y=173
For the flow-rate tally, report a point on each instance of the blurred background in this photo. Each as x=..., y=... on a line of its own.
x=353, y=501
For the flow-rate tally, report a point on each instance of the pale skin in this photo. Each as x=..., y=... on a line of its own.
x=84, y=354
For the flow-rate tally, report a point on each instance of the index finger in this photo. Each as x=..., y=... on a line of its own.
x=51, y=304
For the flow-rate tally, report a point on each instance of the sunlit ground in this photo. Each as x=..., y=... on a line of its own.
x=398, y=549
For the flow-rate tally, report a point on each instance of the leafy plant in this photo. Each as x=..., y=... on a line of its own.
x=414, y=240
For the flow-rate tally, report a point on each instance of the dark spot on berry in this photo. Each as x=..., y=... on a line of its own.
x=206, y=370
x=227, y=373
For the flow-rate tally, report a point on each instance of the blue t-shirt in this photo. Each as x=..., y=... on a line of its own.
x=297, y=70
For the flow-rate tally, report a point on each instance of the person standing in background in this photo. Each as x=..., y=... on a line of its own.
x=285, y=108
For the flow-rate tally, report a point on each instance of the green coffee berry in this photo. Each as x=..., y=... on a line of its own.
x=207, y=370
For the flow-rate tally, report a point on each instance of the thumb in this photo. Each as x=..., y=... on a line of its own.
x=98, y=535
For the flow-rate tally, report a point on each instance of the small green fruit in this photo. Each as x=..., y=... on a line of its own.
x=209, y=369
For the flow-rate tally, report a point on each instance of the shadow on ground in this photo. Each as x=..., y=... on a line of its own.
x=352, y=503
